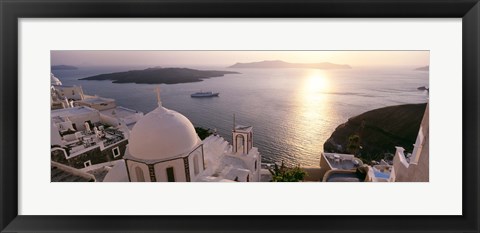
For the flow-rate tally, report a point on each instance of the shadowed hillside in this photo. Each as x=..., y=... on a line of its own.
x=379, y=131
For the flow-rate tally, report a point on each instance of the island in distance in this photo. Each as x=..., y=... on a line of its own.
x=64, y=67
x=158, y=75
x=423, y=68
x=283, y=64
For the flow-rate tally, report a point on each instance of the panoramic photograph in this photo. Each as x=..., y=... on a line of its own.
x=239, y=116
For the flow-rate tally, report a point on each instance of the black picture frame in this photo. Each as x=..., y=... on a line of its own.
x=12, y=10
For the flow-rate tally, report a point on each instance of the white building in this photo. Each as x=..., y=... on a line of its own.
x=96, y=102
x=54, y=80
x=336, y=167
x=62, y=96
x=415, y=166
x=335, y=161
x=238, y=162
x=121, y=116
x=79, y=138
x=164, y=147
x=69, y=92
x=55, y=101
x=110, y=113
x=348, y=168
x=72, y=96
x=74, y=118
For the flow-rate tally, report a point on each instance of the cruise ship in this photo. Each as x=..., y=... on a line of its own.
x=204, y=94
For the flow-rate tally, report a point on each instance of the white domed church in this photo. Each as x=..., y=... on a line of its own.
x=164, y=147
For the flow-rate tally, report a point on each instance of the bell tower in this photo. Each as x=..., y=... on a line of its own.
x=242, y=138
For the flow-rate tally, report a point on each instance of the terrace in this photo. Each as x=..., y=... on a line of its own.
x=83, y=141
x=342, y=161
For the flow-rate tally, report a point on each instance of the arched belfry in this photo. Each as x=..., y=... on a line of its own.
x=242, y=138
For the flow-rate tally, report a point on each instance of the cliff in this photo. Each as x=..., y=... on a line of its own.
x=379, y=131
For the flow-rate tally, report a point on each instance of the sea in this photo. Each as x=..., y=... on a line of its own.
x=292, y=111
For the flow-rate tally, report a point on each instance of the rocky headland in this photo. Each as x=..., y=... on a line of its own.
x=378, y=132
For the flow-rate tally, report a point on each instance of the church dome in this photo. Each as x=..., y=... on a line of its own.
x=162, y=134
x=54, y=80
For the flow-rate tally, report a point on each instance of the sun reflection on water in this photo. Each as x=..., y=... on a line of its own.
x=313, y=95
x=311, y=112
x=316, y=82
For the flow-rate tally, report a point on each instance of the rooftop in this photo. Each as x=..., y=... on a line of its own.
x=344, y=177
x=66, y=112
x=63, y=173
x=342, y=161
x=244, y=128
x=120, y=112
x=96, y=100
x=86, y=141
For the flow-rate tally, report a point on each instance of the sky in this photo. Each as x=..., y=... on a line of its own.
x=227, y=58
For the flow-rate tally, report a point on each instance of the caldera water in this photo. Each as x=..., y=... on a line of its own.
x=292, y=111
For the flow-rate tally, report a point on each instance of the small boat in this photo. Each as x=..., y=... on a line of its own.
x=205, y=94
x=423, y=88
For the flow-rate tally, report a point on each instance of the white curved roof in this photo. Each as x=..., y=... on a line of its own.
x=54, y=80
x=162, y=134
x=118, y=173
